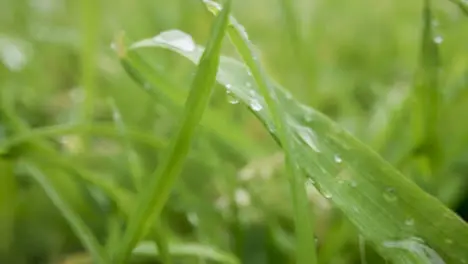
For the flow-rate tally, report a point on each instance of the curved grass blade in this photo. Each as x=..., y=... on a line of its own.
x=79, y=227
x=154, y=82
x=170, y=40
x=158, y=189
x=393, y=214
x=101, y=129
x=187, y=249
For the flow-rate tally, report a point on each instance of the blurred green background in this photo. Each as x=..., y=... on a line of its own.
x=355, y=61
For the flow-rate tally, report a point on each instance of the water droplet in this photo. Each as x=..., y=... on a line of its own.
x=438, y=39
x=390, y=195
x=327, y=195
x=449, y=241
x=231, y=98
x=337, y=158
x=248, y=84
x=242, y=197
x=409, y=222
x=353, y=184
x=308, y=118
x=229, y=86
x=308, y=136
x=249, y=73
x=255, y=105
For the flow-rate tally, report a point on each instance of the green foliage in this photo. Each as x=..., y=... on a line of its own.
x=334, y=132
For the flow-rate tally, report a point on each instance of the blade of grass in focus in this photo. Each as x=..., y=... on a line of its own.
x=81, y=230
x=155, y=84
x=158, y=190
x=136, y=169
x=402, y=222
x=305, y=242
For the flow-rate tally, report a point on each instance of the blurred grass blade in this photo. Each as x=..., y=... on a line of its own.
x=426, y=95
x=79, y=227
x=392, y=213
x=101, y=129
x=8, y=194
x=134, y=161
x=158, y=190
x=186, y=249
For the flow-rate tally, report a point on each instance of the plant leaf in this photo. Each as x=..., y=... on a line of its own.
x=390, y=211
x=157, y=192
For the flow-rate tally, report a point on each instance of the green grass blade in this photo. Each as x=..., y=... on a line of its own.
x=305, y=246
x=101, y=129
x=134, y=161
x=78, y=226
x=187, y=249
x=158, y=189
x=394, y=215
x=426, y=95
x=157, y=86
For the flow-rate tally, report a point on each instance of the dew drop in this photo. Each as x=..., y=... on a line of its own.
x=353, y=184
x=409, y=222
x=255, y=105
x=231, y=98
x=390, y=195
x=327, y=195
x=248, y=84
x=438, y=39
x=308, y=136
x=449, y=241
x=229, y=86
x=249, y=73
x=337, y=158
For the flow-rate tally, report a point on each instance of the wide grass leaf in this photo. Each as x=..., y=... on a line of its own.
x=161, y=183
x=401, y=221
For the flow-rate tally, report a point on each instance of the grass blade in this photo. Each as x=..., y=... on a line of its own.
x=305, y=242
x=162, y=181
x=155, y=84
x=394, y=215
x=78, y=226
x=426, y=95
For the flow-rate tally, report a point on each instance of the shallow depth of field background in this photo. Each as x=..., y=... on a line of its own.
x=353, y=60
